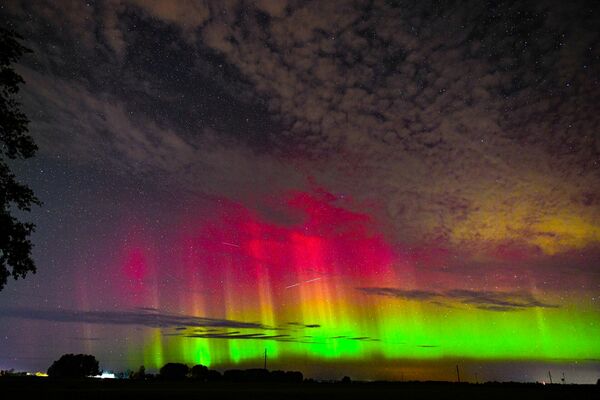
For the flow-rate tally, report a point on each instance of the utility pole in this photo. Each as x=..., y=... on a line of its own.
x=457, y=374
x=550, y=376
x=265, y=367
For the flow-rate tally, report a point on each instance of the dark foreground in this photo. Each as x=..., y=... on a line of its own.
x=38, y=388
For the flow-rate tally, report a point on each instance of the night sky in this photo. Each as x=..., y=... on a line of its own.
x=381, y=189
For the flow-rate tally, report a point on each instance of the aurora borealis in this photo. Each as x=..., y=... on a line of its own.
x=383, y=189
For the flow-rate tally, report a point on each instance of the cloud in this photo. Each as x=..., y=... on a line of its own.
x=464, y=131
x=91, y=339
x=189, y=15
x=400, y=293
x=497, y=301
x=442, y=126
x=363, y=339
x=109, y=136
x=298, y=324
x=186, y=326
x=237, y=335
x=481, y=299
x=274, y=8
x=140, y=317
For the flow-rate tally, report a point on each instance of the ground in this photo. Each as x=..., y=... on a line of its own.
x=31, y=387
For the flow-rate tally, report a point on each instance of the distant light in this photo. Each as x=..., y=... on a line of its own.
x=105, y=375
x=42, y=374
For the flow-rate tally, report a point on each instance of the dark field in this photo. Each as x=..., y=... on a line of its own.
x=38, y=388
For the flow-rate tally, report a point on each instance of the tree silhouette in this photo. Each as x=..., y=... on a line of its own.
x=140, y=374
x=199, y=372
x=74, y=366
x=173, y=371
x=15, y=143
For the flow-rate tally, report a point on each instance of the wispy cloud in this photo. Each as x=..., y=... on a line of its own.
x=481, y=299
x=300, y=325
x=400, y=293
x=185, y=326
x=497, y=301
x=141, y=317
x=238, y=335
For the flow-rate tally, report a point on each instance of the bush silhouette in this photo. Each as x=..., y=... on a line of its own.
x=278, y=376
x=247, y=375
x=174, y=371
x=233, y=375
x=74, y=366
x=294, y=376
x=256, y=375
x=213, y=375
x=199, y=372
x=262, y=375
x=286, y=376
x=140, y=374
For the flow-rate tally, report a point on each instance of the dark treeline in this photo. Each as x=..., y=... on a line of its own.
x=176, y=371
x=83, y=365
